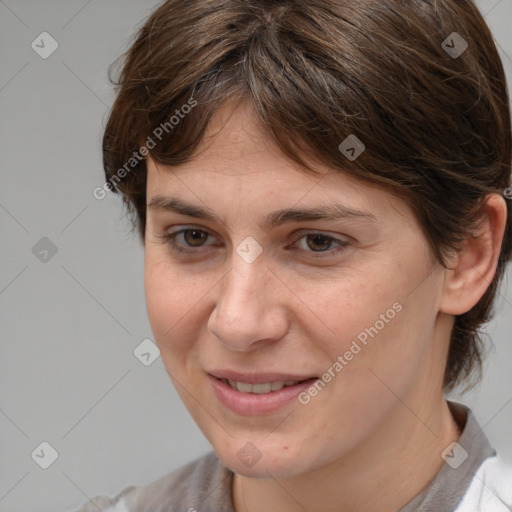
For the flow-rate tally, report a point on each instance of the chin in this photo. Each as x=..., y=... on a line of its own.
x=267, y=462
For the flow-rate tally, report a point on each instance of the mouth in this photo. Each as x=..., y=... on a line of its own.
x=257, y=398
x=263, y=388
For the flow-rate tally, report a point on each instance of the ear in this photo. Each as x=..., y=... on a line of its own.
x=473, y=268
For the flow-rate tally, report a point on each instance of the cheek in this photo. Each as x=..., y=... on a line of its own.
x=173, y=302
x=370, y=322
x=340, y=309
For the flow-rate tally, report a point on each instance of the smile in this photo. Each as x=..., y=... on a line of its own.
x=259, y=389
x=260, y=398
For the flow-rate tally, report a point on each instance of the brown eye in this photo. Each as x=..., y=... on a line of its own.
x=319, y=243
x=188, y=240
x=194, y=237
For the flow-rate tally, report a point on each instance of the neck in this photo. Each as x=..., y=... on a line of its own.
x=361, y=480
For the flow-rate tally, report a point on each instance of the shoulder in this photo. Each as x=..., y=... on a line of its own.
x=184, y=489
x=490, y=489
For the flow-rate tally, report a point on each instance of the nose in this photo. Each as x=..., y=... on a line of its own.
x=249, y=310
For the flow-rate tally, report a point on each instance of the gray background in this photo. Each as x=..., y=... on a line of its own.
x=70, y=324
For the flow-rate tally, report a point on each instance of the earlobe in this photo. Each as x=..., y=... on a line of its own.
x=474, y=266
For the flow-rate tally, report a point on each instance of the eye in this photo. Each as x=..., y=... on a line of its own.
x=318, y=243
x=186, y=238
x=192, y=240
x=194, y=237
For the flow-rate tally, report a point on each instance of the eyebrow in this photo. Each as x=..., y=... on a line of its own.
x=275, y=218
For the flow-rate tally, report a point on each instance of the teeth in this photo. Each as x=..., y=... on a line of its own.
x=260, y=389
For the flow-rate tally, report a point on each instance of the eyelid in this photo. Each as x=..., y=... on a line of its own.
x=186, y=227
x=298, y=234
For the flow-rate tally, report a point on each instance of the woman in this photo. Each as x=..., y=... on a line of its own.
x=321, y=191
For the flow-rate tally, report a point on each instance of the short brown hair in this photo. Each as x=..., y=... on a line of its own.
x=436, y=125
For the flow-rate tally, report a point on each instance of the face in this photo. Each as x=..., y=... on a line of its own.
x=256, y=272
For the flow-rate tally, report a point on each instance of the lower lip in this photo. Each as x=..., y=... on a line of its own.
x=253, y=404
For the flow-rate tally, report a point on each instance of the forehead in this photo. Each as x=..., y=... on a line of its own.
x=236, y=161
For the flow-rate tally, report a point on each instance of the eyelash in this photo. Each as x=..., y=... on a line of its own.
x=170, y=239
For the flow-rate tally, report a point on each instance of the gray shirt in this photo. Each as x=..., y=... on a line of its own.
x=205, y=484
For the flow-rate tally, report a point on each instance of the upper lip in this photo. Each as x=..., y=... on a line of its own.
x=257, y=378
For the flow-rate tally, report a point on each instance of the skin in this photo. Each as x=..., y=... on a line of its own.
x=372, y=438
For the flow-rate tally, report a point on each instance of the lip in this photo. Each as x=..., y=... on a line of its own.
x=257, y=378
x=253, y=404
